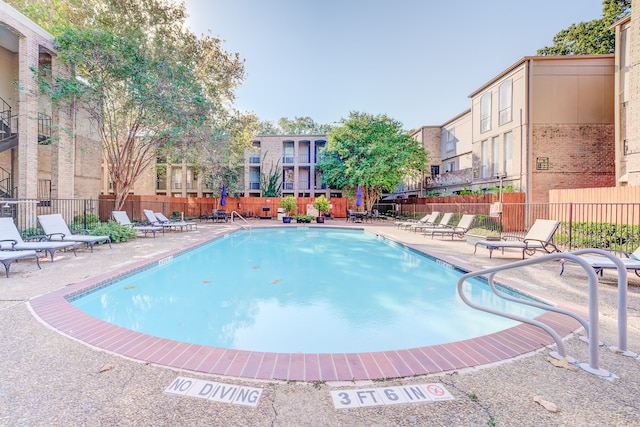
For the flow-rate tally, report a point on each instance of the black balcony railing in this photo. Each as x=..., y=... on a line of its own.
x=44, y=129
x=5, y=120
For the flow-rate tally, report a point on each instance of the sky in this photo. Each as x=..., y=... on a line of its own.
x=416, y=61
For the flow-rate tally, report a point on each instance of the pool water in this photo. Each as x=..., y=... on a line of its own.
x=307, y=290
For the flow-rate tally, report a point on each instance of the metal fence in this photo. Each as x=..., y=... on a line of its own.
x=582, y=225
x=87, y=213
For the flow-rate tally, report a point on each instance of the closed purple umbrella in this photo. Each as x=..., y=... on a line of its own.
x=359, y=197
x=223, y=196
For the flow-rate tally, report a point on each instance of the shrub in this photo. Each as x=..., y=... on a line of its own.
x=599, y=235
x=117, y=232
x=79, y=221
x=303, y=218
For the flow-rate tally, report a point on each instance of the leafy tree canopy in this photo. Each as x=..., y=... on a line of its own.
x=371, y=151
x=590, y=38
x=297, y=126
x=148, y=83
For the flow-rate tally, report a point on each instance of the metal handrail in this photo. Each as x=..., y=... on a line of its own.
x=623, y=287
x=235, y=213
x=593, y=341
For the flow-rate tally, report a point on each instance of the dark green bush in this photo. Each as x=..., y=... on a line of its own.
x=117, y=231
x=599, y=235
x=79, y=221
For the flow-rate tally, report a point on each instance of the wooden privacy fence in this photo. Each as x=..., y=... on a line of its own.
x=196, y=207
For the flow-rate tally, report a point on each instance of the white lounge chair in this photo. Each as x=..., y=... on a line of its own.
x=538, y=238
x=10, y=238
x=7, y=257
x=56, y=229
x=157, y=218
x=444, y=222
x=122, y=218
x=459, y=230
x=427, y=219
x=601, y=263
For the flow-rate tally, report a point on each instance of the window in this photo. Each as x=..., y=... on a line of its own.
x=504, y=106
x=449, y=139
x=450, y=166
x=435, y=170
x=485, y=112
x=484, y=159
x=177, y=179
x=508, y=154
x=287, y=152
x=625, y=65
x=495, y=155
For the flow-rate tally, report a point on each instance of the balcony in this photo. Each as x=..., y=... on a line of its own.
x=254, y=159
x=287, y=185
x=286, y=159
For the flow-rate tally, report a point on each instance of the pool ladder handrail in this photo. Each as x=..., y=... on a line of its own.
x=621, y=348
x=591, y=328
x=235, y=213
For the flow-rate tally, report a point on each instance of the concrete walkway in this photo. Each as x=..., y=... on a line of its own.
x=50, y=379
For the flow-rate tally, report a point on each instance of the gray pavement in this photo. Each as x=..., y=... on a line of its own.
x=49, y=379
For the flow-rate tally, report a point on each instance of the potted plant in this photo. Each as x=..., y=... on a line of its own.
x=289, y=204
x=322, y=205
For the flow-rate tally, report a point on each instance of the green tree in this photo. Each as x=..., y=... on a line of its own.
x=302, y=126
x=589, y=38
x=220, y=156
x=146, y=81
x=373, y=152
x=296, y=126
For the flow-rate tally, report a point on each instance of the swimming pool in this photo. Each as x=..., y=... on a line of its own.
x=300, y=290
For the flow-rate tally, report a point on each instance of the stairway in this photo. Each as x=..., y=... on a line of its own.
x=8, y=135
x=8, y=140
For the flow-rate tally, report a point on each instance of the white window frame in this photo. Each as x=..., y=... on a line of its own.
x=484, y=159
x=495, y=156
x=504, y=102
x=449, y=138
x=485, y=112
x=508, y=153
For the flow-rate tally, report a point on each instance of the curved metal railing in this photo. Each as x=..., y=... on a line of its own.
x=591, y=328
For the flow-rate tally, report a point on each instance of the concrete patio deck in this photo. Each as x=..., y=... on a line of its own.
x=51, y=379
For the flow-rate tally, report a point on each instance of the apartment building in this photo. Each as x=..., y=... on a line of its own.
x=543, y=123
x=289, y=161
x=45, y=152
x=167, y=177
x=546, y=123
x=449, y=148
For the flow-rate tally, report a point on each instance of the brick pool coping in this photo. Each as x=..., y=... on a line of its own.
x=56, y=310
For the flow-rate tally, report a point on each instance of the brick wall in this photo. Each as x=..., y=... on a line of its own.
x=578, y=156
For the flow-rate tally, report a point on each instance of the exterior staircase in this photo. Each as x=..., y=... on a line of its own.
x=9, y=140
x=8, y=132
